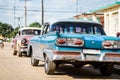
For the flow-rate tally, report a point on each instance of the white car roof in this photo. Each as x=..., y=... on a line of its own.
x=74, y=20
x=30, y=28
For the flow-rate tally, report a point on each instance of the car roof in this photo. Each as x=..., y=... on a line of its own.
x=29, y=28
x=74, y=20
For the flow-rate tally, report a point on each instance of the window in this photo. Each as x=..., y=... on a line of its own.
x=75, y=27
x=45, y=28
x=31, y=32
x=97, y=31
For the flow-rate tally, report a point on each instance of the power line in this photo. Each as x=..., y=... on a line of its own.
x=33, y=10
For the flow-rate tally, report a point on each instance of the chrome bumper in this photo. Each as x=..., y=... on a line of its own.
x=23, y=49
x=80, y=56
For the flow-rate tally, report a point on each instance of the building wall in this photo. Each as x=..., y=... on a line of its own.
x=112, y=21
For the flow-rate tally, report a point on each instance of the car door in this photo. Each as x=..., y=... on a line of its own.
x=36, y=46
x=43, y=41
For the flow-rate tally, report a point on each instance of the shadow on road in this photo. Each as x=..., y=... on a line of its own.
x=86, y=72
x=116, y=71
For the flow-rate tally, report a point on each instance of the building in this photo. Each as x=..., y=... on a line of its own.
x=108, y=15
x=99, y=17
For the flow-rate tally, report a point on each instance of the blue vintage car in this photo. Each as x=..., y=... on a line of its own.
x=77, y=42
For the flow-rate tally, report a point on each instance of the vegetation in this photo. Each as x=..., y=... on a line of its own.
x=35, y=24
x=5, y=29
x=13, y=33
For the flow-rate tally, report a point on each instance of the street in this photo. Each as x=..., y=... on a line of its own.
x=19, y=68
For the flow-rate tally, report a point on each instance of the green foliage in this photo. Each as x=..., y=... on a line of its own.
x=35, y=24
x=14, y=32
x=5, y=29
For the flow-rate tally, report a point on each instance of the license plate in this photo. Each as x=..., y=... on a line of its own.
x=92, y=57
x=91, y=51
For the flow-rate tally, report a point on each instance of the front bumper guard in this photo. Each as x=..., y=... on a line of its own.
x=24, y=48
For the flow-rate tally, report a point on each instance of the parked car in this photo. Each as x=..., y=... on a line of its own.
x=77, y=42
x=21, y=40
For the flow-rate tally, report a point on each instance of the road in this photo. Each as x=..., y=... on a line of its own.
x=16, y=68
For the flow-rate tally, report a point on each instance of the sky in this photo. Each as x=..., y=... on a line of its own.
x=54, y=9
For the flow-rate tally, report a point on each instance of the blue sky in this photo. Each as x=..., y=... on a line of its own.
x=58, y=9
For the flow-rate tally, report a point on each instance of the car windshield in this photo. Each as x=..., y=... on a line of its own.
x=77, y=27
x=31, y=32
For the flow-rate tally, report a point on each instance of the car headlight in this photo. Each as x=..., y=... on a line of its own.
x=69, y=42
x=111, y=44
x=24, y=40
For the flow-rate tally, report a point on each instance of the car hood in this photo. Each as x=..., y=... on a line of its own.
x=90, y=41
x=28, y=37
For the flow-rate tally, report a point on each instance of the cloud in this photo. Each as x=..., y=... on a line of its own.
x=61, y=4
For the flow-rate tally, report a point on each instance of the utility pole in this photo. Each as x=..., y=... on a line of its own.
x=14, y=13
x=77, y=6
x=14, y=16
x=25, y=6
x=19, y=19
x=25, y=14
x=42, y=3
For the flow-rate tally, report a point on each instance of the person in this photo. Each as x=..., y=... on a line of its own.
x=1, y=44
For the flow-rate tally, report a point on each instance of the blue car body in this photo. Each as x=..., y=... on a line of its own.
x=76, y=42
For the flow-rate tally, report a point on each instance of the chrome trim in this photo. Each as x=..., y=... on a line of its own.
x=102, y=56
x=82, y=57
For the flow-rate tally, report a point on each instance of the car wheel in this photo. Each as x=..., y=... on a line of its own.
x=78, y=65
x=15, y=52
x=19, y=53
x=106, y=70
x=34, y=62
x=29, y=52
x=49, y=66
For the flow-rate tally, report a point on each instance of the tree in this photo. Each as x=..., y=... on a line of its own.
x=35, y=24
x=14, y=32
x=5, y=29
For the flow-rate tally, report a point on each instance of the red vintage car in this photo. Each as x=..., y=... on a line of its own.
x=21, y=40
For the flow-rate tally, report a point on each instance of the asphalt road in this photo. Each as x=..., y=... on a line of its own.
x=16, y=68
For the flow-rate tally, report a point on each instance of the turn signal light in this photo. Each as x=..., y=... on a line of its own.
x=107, y=44
x=78, y=42
x=61, y=41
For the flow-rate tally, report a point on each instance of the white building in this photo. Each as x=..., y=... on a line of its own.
x=110, y=18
